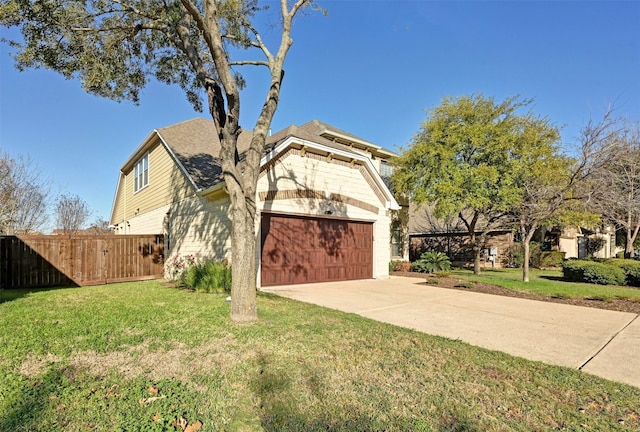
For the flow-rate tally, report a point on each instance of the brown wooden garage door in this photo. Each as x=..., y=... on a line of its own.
x=304, y=250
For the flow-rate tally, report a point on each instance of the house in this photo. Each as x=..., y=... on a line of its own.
x=428, y=233
x=323, y=209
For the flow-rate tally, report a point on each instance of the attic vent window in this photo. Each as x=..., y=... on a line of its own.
x=141, y=173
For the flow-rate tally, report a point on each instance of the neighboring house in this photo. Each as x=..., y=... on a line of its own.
x=427, y=233
x=323, y=209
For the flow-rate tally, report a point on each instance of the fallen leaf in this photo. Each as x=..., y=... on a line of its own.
x=194, y=426
x=153, y=390
x=180, y=422
x=157, y=417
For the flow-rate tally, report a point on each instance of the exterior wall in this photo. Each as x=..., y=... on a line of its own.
x=146, y=223
x=315, y=186
x=569, y=246
x=166, y=184
x=200, y=227
x=457, y=247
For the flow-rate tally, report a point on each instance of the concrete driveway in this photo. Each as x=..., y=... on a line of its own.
x=600, y=342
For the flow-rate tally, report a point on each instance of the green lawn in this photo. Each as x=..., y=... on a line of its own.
x=549, y=283
x=142, y=356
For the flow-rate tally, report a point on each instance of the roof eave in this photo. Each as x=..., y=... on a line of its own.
x=391, y=203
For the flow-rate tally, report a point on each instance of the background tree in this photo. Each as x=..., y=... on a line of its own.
x=617, y=184
x=115, y=47
x=72, y=213
x=23, y=196
x=556, y=188
x=100, y=226
x=464, y=161
x=545, y=178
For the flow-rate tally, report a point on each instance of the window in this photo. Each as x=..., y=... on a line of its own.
x=141, y=173
x=396, y=239
x=386, y=171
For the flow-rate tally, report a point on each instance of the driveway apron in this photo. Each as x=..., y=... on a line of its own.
x=600, y=342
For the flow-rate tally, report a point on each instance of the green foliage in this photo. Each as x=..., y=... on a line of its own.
x=467, y=155
x=631, y=269
x=116, y=54
x=551, y=259
x=593, y=272
x=208, y=276
x=431, y=262
x=515, y=255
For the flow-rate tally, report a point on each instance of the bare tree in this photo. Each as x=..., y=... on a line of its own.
x=72, y=213
x=23, y=196
x=617, y=196
x=100, y=226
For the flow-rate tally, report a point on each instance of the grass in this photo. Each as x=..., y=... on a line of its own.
x=142, y=356
x=548, y=283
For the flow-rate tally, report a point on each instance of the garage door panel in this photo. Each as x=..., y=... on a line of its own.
x=305, y=250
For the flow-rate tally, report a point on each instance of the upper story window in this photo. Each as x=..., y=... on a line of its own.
x=141, y=173
x=386, y=171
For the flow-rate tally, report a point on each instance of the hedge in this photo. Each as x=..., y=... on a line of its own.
x=631, y=269
x=551, y=259
x=593, y=272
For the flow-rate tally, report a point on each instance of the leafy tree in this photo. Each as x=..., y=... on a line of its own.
x=72, y=213
x=465, y=161
x=114, y=47
x=23, y=196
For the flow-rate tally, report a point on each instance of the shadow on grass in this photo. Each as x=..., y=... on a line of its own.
x=7, y=295
x=553, y=278
x=26, y=406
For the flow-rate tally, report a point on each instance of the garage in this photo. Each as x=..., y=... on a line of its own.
x=297, y=249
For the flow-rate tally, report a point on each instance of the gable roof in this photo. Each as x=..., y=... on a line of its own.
x=195, y=146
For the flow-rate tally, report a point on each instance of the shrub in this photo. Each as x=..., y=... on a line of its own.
x=431, y=262
x=399, y=266
x=593, y=272
x=515, y=255
x=631, y=269
x=551, y=259
x=208, y=276
x=179, y=264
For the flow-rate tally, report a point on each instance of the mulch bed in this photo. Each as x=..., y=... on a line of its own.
x=459, y=284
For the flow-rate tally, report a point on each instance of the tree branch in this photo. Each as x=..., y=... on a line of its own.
x=249, y=63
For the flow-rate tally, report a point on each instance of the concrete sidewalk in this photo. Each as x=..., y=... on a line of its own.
x=600, y=342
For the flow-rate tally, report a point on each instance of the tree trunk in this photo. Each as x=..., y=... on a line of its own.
x=628, y=250
x=476, y=258
x=525, y=259
x=243, y=265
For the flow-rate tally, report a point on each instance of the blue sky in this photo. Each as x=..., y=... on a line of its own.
x=369, y=67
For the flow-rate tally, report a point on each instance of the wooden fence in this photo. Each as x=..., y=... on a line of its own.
x=42, y=261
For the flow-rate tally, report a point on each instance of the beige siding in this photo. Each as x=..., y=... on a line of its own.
x=315, y=180
x=167, y=184
x=117, y=214
x=145, y=223
x=200, y=227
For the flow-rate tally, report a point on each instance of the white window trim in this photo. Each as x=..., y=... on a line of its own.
x=135, y=177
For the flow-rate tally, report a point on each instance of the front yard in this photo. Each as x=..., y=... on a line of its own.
x=548, y=285
x=143, y=356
